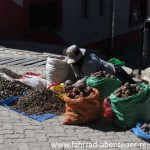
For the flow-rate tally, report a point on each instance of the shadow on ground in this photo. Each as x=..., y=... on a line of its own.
x=130, y=54
x=32, y=46
x=105, y=126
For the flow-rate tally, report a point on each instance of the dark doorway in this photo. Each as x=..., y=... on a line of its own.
x=43, y=15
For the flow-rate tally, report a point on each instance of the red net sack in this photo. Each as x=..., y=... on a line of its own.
x=82, y=109
x=108, y=113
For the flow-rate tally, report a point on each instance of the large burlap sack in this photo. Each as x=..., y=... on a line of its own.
x=83, y=109
x=130, y=110
x=56, y=70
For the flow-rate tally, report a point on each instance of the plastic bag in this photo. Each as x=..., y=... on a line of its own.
x=35, y=82
x=59, y=90
x=82, y=109
x=130, y=110
x=116, y=61
x=56, y=70
x=140, y=133
x=105, y=85
x=9, y=100
x=108, y=113
x=31, y=74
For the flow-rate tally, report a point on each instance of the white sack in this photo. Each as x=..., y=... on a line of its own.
x=56, y=70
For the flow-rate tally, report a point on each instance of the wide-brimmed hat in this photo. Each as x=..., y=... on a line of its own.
x=74, y=53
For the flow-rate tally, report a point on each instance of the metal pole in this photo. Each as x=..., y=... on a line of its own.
x=141, y=51
x=113, y=6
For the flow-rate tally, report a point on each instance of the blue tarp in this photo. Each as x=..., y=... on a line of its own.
x=9, y=100
x=140, y=133
x=39, y=118
x=12, y=99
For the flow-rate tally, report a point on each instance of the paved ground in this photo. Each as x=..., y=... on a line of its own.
x=18, y=132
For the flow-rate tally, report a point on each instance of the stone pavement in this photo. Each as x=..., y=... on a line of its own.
x=18, y=132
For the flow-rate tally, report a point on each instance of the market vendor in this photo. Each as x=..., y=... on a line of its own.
x=84, y=64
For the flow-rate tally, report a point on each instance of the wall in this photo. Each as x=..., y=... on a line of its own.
x=13, y=18
x=95, y=27
x=148, y=12
x=78, y=30
x=122, y=17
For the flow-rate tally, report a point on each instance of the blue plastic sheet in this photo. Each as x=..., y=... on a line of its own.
x=12, y=99
x=140, y=133
x=9, y=100
x=39, y=118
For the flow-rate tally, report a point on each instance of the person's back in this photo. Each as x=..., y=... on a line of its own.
x=92, y=63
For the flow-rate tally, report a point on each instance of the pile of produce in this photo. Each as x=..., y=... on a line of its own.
x=12, y=88
x=146, y=128
x=10, y=73
x=77, y=91
x=102, y=74
x=128, y=90
x=40, y=101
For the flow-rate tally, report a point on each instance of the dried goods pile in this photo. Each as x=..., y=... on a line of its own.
x=39, y=102
x=11, y=88
x=146, y=128
x=128, y=90
x=78, y=91
x=102, y=74
x=10, y=73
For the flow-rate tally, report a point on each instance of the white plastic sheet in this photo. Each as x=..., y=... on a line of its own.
x=146, y=75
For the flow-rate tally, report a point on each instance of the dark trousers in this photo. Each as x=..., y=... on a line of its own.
x=122, y=75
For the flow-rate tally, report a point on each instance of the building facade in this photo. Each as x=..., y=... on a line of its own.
x=89, y=23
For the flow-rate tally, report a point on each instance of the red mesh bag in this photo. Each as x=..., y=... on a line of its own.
x=83, y=109
x=108, y=113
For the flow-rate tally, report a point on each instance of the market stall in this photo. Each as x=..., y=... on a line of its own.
x=100, y=95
